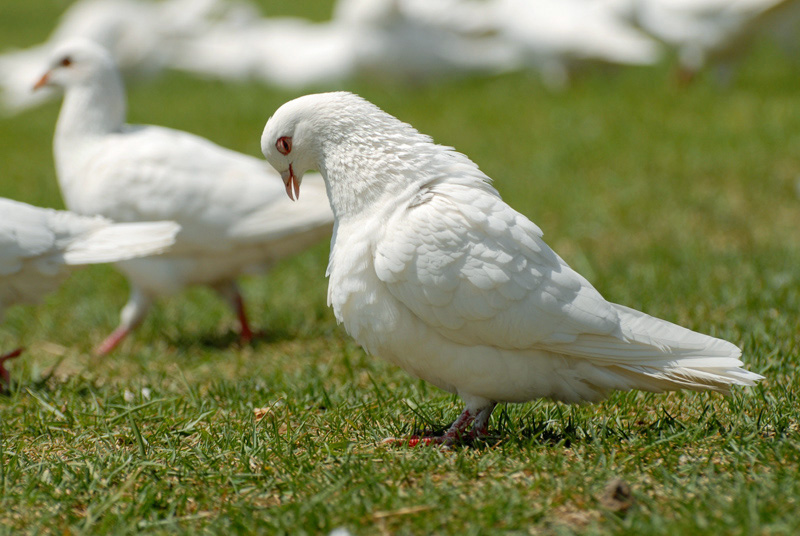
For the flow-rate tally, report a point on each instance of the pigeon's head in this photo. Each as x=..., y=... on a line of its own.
x=291, y=141
x=75, y=62
x=366, y=156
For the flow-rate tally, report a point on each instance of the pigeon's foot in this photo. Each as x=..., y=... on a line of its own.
x=112, y=341
x=457, y=433
x=5, y=377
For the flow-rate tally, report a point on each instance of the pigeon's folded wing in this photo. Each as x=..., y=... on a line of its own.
x=219, y=197
x=479, y=272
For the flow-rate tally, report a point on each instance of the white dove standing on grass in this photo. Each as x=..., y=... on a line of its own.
x=39, y=247
x=433, y=271
x=232, y=211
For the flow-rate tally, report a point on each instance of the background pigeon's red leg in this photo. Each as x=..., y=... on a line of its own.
x=112, y=341
x=5, y=377
x=246, y=334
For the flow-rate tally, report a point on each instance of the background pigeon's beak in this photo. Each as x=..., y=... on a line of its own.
x=290, y=181
x=42, y=81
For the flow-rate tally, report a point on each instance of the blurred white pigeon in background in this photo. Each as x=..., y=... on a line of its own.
x=431, y=270
x=555, y=36
x=412, y=41
x=231, y=209
x=39, y=246
x=424, y=40
x=398, y=39
x=285, y=52
x=138, y=33
x=711, y=31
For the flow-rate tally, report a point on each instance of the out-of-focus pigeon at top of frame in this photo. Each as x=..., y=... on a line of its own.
x=413, y=41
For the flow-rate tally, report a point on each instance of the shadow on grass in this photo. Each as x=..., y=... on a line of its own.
x=561, y=427
x=229, y=339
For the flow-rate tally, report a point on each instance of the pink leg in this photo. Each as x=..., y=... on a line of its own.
x=685, y=76
x=130, y=317
x=5, y=377
x=112, y=341
x=481, y=426
x=455, y=433
x=229, y=291
x=246, y=335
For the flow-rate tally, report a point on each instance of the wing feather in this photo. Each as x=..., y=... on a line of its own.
x=467, y=263
x=478, y=272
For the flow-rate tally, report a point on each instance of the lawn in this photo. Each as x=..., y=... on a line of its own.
x=679, y=201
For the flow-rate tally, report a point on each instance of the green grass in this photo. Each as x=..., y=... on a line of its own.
x=677, y=201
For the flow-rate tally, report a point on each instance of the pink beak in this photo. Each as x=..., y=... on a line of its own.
x=290, y=181
x=42, y=81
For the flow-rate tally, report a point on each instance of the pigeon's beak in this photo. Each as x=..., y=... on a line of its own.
x=291, y=183
x=42, y=81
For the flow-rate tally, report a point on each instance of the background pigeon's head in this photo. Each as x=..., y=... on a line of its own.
x=75, y=62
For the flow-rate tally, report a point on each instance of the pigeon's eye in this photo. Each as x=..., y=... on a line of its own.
x=66, y=62
x=284, y=145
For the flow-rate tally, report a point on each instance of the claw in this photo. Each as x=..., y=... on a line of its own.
x=457, y=433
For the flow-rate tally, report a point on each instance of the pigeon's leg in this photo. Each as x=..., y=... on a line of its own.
x=477, y=416
x=5, y=377
x=229, y=291
x=131, y=316
x=685, y=76
x=481, y=425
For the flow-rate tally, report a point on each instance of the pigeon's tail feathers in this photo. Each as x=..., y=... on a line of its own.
x=656, y=355
x=121, y=241
x=671, y=338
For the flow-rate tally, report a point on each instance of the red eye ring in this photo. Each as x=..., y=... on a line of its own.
x=284, y=145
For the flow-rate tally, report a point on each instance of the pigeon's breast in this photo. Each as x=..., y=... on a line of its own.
x=359, y=299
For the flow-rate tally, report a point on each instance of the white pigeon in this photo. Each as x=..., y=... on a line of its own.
x=285, y=52
x=139, y=34
x=433, y=271
x=414, y=40
x=423, y=40
x=557, y=35
x=232, y=211
x=39, y=247
x=710, y=31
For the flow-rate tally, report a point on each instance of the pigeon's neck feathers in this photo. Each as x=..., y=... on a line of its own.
x=371, y=158
x=95, y=106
